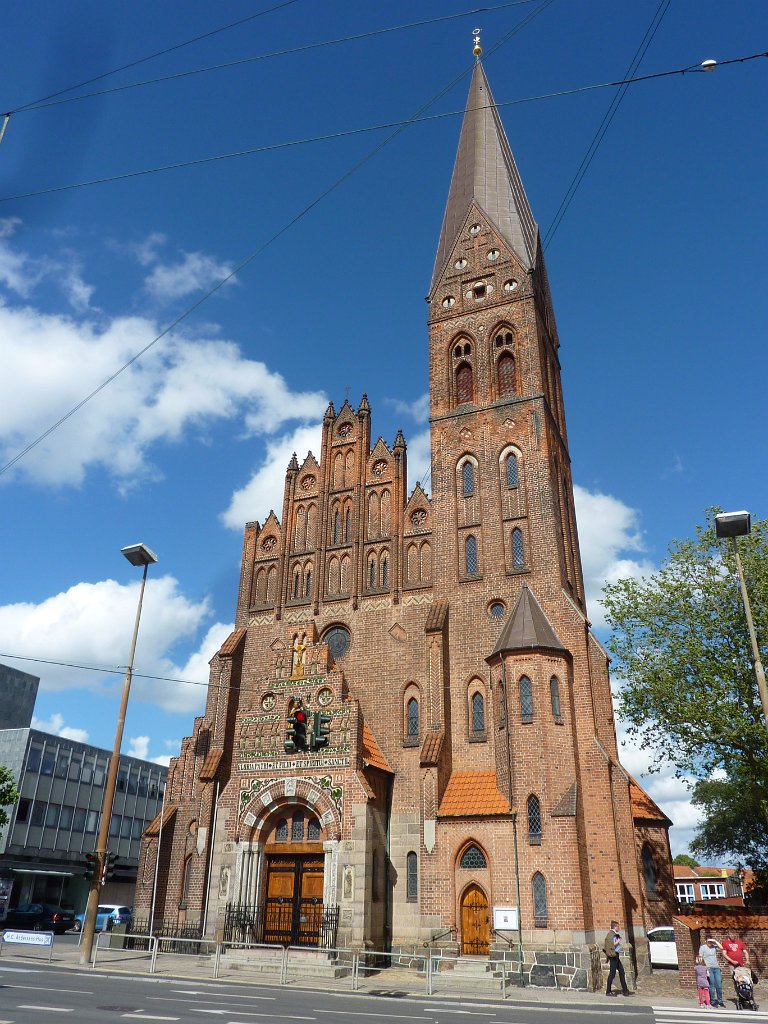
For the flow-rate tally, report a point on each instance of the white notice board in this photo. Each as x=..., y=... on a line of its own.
x=505, y=919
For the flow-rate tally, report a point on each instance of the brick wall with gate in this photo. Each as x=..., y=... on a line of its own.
x=700, y=922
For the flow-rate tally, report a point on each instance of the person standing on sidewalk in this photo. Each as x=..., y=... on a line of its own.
x=708, y=953
x=612, y=949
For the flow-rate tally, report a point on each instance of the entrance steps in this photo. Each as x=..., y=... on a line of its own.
x=303, y=963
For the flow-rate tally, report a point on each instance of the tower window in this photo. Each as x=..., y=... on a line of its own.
x=473, y=857
x=372, y=574
x=518, y=551
x=464, y=384
x=313, y=830
x=384, y=573
x=296, y=584
x=335, y=528
x=554, y=692
x=470, y=556
x=297, y=828
x=281, y=832
x=449, y=301
x=478, y=291
x=540, y=914
x=478, y=713
x=506, y=374
x=308, y=583
x=534, y=820
x=347, y=525
x=412, y=717
x=411, y=877
x=526, y=700
x=513, y=476
x=468, y=479
x=649, y=870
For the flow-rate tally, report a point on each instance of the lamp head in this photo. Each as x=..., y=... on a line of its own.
x=139, y=554
x=733, y=524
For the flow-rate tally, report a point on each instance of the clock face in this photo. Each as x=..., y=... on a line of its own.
x=325, y=696
x=268, y=701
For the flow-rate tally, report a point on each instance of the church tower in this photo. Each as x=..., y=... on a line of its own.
x=409, y=737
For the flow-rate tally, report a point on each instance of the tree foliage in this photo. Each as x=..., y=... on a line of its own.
x=680, y=643
x=8, y=793
x=685, y=860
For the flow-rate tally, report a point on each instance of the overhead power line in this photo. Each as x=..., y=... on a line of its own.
x=260, y=249
x=399, y=125
x=55, y=101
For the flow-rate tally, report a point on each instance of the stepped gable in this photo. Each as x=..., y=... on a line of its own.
x=528, y=628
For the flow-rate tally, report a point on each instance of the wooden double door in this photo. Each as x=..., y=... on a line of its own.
x=293, y=913
x=475, y=922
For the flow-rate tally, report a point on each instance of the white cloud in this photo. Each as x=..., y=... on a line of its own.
x=417, y=410
x=22, y=273
x=265, y=488
x=193, y=272
x=419, y=460
x=51, y=362
x=138, y=746
x=608, y=531
x=55, y=725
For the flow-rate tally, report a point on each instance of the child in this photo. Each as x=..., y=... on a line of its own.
x=702, y=980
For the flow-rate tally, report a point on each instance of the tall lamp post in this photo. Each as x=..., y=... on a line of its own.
x=137, y=554
x=732, y=525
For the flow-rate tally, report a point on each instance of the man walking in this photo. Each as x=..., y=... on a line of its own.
x=708, y=952
x=612, y=949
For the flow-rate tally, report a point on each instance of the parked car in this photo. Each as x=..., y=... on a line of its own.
x=661, y=942
x=40, y=917
x=107, y=916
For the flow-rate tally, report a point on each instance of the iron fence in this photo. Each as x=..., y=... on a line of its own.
x=315, y=925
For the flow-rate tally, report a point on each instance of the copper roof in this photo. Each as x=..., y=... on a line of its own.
x=527, y=627
x=232, y=642
x=643, y=807
x=430, y=748
x=153, y=828
x=372, y=755
x=211, y=764
x=472, y=795
x=485, y=172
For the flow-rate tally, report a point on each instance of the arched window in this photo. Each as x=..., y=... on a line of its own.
x=385, y=507
x=372, y=574
x=467, y=479
x=300, y=537
x=384, y=573
x=412, y=717
x=513, y=478
x=374, y=515
x=413, y=563
x=534, y=820
x=554, y=693
x=335, y=539
x=518, y=551
x=313, y=830
x=333, y=576
x=411, y=877
x=375, y=876
x=470, y=556
x=297, y=828
x=478, y=713
x=506, y=374
x=345, y=574
x=261, y=586
x=347, y=526
x=296, y=584
x=186, y=884
x=426, y=561
x=473, y=857
x=540, y=914
x=338, y=470
x=649, y=870
x=464, y=384
x=526, y=700
x=311, y=519
x=281, y=831
x=308, y=583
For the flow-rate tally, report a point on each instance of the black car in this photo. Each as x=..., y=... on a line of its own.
x=39, y=917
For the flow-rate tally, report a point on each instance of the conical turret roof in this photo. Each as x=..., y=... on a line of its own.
x=485, y=171
x=527, y=628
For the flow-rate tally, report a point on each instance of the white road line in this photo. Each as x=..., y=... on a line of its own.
x=271, y=1017
x=147, y=1016
x=48, y=1009
x=357, y=1013
x=207, y=992
x=69, y=991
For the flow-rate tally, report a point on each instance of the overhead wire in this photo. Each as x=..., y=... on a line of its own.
x=604, y=125
x=261, y=248
x=368, y=129
x=44, y=104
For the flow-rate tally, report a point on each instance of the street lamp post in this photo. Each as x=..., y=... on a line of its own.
x=732, y=525
x=137, y=554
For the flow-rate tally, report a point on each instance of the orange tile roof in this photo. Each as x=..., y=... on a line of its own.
x=211, y=764
x=643, y=806
x=232, y=642
x=153, y=828
x=682, y=871
x=720, y=920
x=372, y=755
x=431, y=747
x=471, y=795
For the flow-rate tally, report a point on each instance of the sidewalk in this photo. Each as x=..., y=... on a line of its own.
x=660, y=988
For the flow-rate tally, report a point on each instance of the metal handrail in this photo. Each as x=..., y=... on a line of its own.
x=128, y=935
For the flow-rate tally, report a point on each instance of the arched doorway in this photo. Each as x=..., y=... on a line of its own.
x=475, y=922
x=293, y=905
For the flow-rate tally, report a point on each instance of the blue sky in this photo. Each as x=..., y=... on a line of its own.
x=657, y=272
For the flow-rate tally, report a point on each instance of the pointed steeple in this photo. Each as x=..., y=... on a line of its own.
x=527, y=628
x=485, y=171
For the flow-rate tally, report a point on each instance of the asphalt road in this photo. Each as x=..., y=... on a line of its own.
x=31, y=995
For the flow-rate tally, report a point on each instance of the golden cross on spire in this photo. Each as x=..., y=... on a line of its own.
x=477, y=49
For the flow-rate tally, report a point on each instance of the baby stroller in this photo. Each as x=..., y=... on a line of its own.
x=745, y=993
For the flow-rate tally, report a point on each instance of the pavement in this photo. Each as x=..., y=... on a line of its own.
x=660, y=987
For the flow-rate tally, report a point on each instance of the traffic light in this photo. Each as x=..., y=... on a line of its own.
x=321, y=730
x=296, y=733
x=91, y=865
x=110, y=865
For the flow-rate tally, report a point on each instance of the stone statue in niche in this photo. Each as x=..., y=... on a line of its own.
x=299, y=648
x=348, y=883
x=224, y=876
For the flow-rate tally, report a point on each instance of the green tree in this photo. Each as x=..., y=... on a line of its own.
x=8, y=793
x=680, y=644
x=685, y=861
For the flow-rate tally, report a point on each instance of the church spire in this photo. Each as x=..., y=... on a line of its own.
x=485, y=172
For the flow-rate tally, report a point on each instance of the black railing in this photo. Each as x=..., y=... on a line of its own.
x=305, y=923
x=169, y=930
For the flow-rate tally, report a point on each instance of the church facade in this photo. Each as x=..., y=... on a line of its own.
x=409, y=736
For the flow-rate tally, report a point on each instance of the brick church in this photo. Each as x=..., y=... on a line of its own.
x=409, y=735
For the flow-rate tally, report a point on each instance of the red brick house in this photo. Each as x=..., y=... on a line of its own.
x=708, y=885
x=469, y=792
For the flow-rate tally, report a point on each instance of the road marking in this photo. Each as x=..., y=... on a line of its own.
x=48, y=1009
x=356, y=1013
x=207, y=992
x=271, y=1017
x=148, y=1016
x=473, y=1013
x=72, y=991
